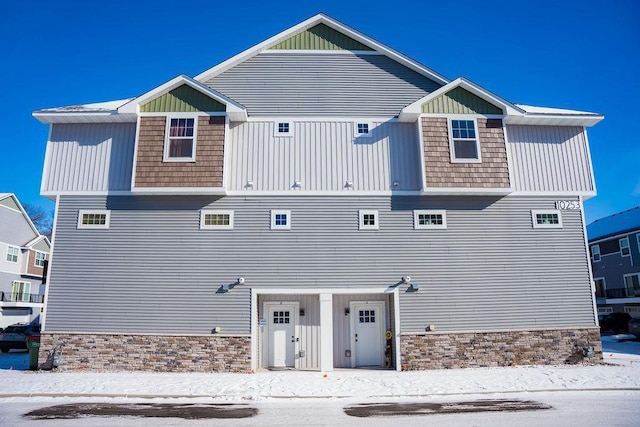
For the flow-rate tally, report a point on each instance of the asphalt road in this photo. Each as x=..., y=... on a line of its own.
x=572, y=408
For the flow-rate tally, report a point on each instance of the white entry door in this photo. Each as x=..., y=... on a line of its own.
x=367, y=328
x=282, y=340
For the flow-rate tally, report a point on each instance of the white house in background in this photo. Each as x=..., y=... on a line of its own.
x=24, y=255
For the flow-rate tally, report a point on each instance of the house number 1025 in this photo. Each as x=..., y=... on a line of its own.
x=567, y=205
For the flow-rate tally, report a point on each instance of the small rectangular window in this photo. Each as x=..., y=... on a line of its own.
x=430, y=219
x=546, y=219
x=465, y=147
x=180, y=143
x=368, y=220
x=12, y=254
x=283, y=129
x=363, y=129
x=280, y=220
x=216, y=220
x=595, y=253
x=624, y=247
x=93, y=219
x=39, y=259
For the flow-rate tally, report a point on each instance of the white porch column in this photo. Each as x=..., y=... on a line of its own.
x=326, y=332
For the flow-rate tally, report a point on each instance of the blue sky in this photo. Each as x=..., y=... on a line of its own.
x=581, y=55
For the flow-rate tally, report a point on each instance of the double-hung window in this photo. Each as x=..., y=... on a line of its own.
x=39, y=259
x=595, y=253
x=12, y=254
x=464, y=143
x=624, y=247
x=180, y=143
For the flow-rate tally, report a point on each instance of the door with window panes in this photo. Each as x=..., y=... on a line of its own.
x=281, y=337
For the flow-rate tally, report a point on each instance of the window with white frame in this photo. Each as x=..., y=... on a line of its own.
x=434, y=219
x=12, y=254
x=368, y=220
x=283, y=129
x=600, y=286
x=93, y=219
x=464, y=143
x=625, y=250
x=605, y=310
x=546, y=219
x=180, y=142
x=632, y=310
x=39, y=259
x=216, y=220
x=632, y=284
x=280, y=220
x=20, y=291
x=595, y=253
x=363, y=129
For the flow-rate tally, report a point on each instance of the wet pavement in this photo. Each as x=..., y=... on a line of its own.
x=424, y=408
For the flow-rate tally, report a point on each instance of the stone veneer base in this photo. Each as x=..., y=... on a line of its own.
x=157, y=353
x=488, y=349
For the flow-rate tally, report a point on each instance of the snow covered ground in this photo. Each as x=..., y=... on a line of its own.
x=603, y=394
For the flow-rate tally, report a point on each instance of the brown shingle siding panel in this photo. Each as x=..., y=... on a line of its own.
x=493, y=172
x=206, y=171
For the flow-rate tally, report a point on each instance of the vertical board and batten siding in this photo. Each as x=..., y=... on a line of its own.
x=320, y=37
x=460, y=101
x=182, y=99
x=323, y=84
x=550, y=158
x=323, y=156
x=308, y=329
x=155, y=271
x=89, y=157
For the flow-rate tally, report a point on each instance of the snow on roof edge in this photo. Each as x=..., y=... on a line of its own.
x=96, y=107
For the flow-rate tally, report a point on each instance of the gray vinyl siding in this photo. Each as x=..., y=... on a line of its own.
x=10, y=203
x=323, y=156
x=317, y=84
x=613, y=266
x=550, y=158
x=14, y=229
x=89, y=157
x=155, y=271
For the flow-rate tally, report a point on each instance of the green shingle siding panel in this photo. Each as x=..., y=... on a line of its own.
x=320, y=37
x=183, y=99
x=460, y=101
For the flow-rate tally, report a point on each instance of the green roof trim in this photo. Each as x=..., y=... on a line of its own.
x=460, y=101
x=320, y=37
x=183, y=99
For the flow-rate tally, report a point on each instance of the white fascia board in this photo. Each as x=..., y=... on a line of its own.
x=554, y=120
x=411, y=112
x=464, y=191
x=233, y=108
x=83, y=117
x=178, y=190
x=32, y=242
x=332, y=23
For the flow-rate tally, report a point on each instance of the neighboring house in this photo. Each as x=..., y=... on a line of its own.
x=318, y=201
x=24, y=254
x=615, y=261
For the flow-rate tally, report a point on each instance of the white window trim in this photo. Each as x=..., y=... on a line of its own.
x=26, y=285
x=534, y=219
x=628, y=246
x=418, y=226
x=624, y=279
x=273, y=220
x=17, y=255
x=593, y=255
x=35, y=259
x=452, y=151
x=83, y=212
x=362, y=135
x=605, y=310
x=167, y=128
x=204, y=212
x=276, y=128
x=362, y=226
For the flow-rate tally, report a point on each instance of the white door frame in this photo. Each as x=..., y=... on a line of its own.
x=381, y=306
x=267, y=305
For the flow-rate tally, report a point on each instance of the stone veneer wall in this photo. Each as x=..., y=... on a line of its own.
x=510, y=348
x=206, y=171
x=492, y=172
x=158, y=353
